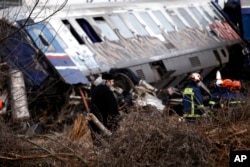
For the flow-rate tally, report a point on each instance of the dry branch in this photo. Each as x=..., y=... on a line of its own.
x=70, y=149
x=50, y=152
x=81, y=132
x=93, y=118
x=13, y=156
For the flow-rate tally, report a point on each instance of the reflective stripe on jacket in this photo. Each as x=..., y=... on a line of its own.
x=189, y=92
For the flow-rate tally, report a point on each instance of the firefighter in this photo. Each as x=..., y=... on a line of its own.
x=103, y=102
x=226, y=95
x=221, y=94
x=192, y=99
x=237, y=97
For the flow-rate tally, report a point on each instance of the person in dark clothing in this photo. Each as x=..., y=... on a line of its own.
x=237, y=97
x=221, y=94
x=104, y=104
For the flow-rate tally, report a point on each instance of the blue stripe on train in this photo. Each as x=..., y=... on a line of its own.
x=60, y=60
x=73, y=76
x=44, y=39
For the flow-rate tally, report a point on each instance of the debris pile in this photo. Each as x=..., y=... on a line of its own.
x=145, y=138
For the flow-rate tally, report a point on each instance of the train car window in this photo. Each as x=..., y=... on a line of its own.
x=218, y=16
x=206, y=14
x=150, y=22
x=56, y=36
x=122, y=27
x=199, y=16
x=106, y=29
x=46, y=38
x=87, y=28
x=73, y=31
x=136, y=24
x=163, y=20
x=44, y=41
x=176, y=20
x=187, y=17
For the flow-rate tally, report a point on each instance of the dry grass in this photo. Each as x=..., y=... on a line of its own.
x=144, y=138
x=149, y=139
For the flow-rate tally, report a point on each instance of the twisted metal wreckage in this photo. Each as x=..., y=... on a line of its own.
x=49, y=66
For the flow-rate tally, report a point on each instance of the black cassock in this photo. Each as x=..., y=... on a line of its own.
x=104, y=105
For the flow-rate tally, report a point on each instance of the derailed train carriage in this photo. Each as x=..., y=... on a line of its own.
x=161, y=41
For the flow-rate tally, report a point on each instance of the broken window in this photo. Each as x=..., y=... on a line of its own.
x=87, y=28
x=73, y=31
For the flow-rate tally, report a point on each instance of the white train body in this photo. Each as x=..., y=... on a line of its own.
x=161, y=41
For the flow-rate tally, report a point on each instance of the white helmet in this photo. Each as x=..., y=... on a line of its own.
x=196, y=77
x=219, y=82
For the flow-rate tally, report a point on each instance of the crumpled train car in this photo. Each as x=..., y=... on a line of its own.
x=161, y=41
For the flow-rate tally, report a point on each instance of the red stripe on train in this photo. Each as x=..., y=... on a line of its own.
x=57, y=56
